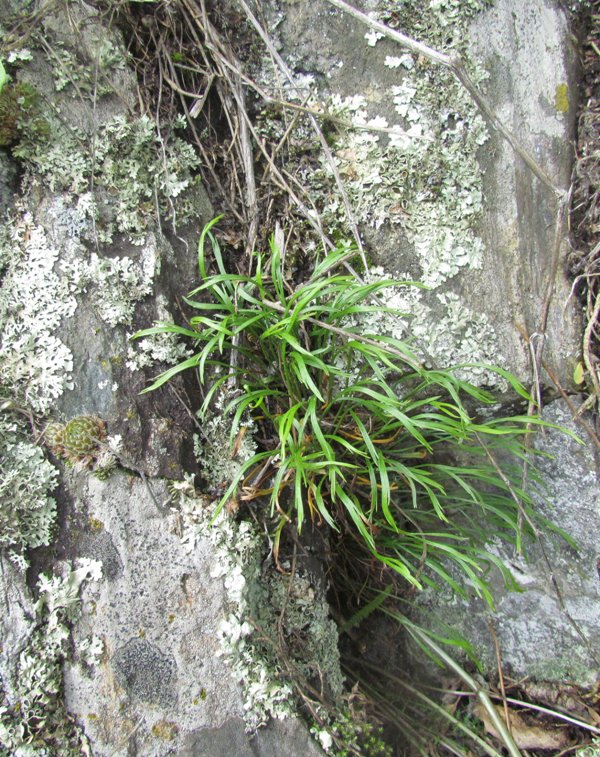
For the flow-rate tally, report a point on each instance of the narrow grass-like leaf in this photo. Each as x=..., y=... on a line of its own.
x=191, y=362
x=363, y=434
x=201, y=243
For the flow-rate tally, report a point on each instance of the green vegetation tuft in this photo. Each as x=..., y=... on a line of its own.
x=20, y=114
x=78, y=439
x=361, y=436
x=82, y=442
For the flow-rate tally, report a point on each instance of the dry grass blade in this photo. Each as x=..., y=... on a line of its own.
x=590, y=339
x=319, y=132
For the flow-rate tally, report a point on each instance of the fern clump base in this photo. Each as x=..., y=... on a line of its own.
x=358, y=434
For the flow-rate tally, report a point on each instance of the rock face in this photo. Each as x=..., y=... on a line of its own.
x=162, y=686
x=538, y=103
x=157, y=612
x=467, y=217
x=85, y=264
x=230, y=739
x=549, y=630
x=512, y=279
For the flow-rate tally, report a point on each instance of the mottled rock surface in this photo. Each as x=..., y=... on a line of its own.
x=489, y=280
x=157, y=612
x=160, y=686
x=530, y=55
x=230, y=739
x=478, y=307
x=89, y=263
x=550, y=629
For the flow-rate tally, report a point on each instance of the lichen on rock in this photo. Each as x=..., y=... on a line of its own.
x=27, y=509
x=33, y=718
x=132, y=170
x=258, y=611
x=406, y=146
x=34, y=300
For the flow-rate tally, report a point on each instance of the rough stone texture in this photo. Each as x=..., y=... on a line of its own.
x=160, y=687
x=156, y=612
x=8, y=182
x=519, y=213
x=17, y=614
x=160, y=679
x=231, y=739
x=528, y=50
x=551, y=630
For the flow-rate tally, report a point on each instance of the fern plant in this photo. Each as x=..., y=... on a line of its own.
x=364, y=437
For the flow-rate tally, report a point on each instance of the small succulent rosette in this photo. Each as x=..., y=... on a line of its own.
x=83, y=443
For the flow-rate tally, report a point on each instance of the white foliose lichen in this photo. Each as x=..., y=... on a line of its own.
x=259, y=611
x=126, y=169
x=167, y=349
x=460, y=338
x=34, y=300
x=115, y=285
x=422, y=176
x=27, y=511
x=409, y=165
x=214, y=446
x=237, y=560
x=32, y=716
x=68, y=71
x=39, y=290
x=112, y=284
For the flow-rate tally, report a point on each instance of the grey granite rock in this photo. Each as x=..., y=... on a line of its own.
x=162, y=686
x=549, y=629
x=157, y=616
x=479, y=297
x=231, y=739
x=8, y=182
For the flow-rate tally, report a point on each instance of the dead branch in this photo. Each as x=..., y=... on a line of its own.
x=455, y=64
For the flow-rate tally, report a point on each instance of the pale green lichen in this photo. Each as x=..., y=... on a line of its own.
x=450, y=340
x=133, y=171
x=166, y=349
x=33, y=718
x=422, y=177
x=34, y=300
x=258, y=610
x=27, y=511
x=306, y=626
x=88, y=187
x=237, y=559
x=214, y=446
x=410, y=169
x=114, y=284
x=42, y=279
x=87, y=79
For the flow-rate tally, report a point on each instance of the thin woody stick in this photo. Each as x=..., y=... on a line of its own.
x=457, y=66
x=319, y=132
